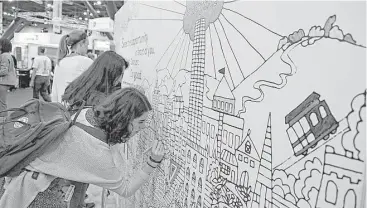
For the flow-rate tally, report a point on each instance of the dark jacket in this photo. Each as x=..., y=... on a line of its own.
x=7, y=71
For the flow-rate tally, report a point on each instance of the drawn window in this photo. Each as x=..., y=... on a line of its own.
x=224, y=139
x=230, y=139
x=310, y=138
x=203, y=127
x=192, y=194
x=230, y=108
x=187, y=188
x=322, y=111
x=200, y=185
x=194, y=160
x=248, y=147
x=257, y=198
x=213, y=131
x=304, y=123
x=252, y=163
x=350, y=199
x=214, y=104
x=240, y=157
x=222, y=105
x=246, y=159
x=199, y=202
x=314, y=119
x=292, y=135
x=189, y=156
x=331, y=192
x=219, y=104
x=207, y=128
x=225, y=169
x=298, y=128
x=237, y=141
x=193, y=181
x=225, y=106
x=201, y=165
x=188, y=173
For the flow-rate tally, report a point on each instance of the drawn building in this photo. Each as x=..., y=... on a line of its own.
x=341, y=178
x=308, y=123
x=248, y=162
x=262, y=197
x=223, y=99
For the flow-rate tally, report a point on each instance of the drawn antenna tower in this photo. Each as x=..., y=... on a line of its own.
x=263, y=189
x=197, y=82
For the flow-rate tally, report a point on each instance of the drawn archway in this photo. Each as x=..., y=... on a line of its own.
x=244, y=179
x=350, y=199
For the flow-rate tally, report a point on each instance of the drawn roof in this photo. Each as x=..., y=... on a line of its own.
x=223, y=89
x=229, y=157
x=307, y=102
x=254, y=153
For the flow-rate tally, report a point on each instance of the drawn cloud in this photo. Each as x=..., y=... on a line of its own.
x=195, y=10
x=316, y=31
x=352, y=140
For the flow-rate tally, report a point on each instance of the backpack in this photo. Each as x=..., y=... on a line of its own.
x=29, y=130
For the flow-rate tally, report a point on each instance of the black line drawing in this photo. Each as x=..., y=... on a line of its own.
x=212, y=158
x=310, y=122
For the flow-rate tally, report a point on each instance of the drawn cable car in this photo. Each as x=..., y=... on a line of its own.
x=308, y=123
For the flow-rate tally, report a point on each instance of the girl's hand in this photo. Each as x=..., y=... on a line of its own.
x=157, y=151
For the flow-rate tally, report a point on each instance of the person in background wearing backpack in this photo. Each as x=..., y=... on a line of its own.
x=80, y=155
x=8, y=77
x=40, y=80
x=72, y=62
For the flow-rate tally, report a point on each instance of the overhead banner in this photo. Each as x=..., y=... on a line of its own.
x=103, y=24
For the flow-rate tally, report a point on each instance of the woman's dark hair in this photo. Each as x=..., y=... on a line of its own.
x=68, y=41
x=6, y=45
x=96, y=83
x=115, y=113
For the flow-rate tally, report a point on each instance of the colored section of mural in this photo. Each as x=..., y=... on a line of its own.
x=246, y=122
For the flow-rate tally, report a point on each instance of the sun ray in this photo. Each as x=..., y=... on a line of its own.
x=254, y=22
x=179, y=51
x=180, y=3
x=221, y=46
x=230, y=46
x=244, y=38
x=173, y=53
x=162, y=9
x=168, y=48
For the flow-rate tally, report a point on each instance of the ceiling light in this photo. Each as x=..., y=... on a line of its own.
x=85, y=13
x=49, y=5
x=80, y=18
x=13, y=7
x=99, y=2
x=98, y=11
x=91, y=14
x=85, y=19
x=10, y=0
x=35, y=24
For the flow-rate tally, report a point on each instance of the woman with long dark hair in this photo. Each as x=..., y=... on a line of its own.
x=87, y=158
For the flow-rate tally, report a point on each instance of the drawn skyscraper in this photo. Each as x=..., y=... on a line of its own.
x=262, y=197
x=197, y=82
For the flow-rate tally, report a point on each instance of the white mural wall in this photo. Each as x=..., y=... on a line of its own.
x=259, y=104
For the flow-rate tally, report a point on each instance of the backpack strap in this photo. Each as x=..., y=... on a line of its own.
x=97, y=133
x=77, y=113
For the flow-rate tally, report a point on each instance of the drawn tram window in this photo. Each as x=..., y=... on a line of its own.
x=304, y=123
x=314, y=119
x=201, y=165
x=203, y=127
x=298, y=128
x=252, y=163
x=240, y=157
x=207, y=129
x=188, y=173
x=246, y=159
x=322, y=111
x=222, y=105
x=230, y=107
x=292, y=135
x=189, y=156
x=331, y=192
x=248, y=147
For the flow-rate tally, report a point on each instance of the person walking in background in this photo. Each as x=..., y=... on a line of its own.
x=40, y=80
x=8, y=78
x=72, y=62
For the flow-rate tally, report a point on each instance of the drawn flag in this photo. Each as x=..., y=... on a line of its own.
x=222, y=70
